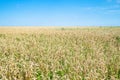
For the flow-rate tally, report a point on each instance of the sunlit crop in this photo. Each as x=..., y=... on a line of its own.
x=59, y=53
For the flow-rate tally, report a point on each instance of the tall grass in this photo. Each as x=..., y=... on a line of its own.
x=60, y=54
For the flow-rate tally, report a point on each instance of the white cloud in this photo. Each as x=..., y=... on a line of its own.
x=112, y=12
x=109, y=0
x=108, y=9
x=113, y=9
x=118, y=1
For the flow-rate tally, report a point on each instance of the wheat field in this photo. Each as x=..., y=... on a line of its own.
x=34, y=53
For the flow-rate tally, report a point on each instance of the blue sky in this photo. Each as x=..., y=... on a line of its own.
x=59, y=12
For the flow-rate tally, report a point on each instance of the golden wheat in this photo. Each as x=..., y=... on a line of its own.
x=59, y=53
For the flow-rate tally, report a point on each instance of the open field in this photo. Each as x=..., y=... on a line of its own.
x=59, y=53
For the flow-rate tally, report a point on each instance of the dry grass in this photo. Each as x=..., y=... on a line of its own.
x=59, y=53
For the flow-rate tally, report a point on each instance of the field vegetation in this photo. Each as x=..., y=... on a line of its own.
x=59, y=53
